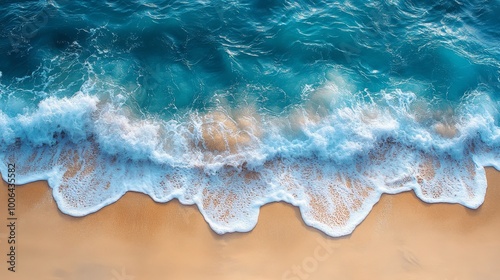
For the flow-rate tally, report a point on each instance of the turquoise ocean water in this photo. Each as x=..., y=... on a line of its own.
x=233, y=104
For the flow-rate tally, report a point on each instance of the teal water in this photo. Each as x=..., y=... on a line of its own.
x=190, y=99
x=172, y=56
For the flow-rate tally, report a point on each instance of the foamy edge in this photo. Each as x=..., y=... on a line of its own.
x=334, y=166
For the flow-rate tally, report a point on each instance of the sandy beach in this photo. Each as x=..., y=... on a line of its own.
x=136, y=238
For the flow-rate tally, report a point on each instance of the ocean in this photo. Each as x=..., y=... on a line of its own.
x=234, y=104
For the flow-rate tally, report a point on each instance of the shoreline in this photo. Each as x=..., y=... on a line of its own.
x=402, y=238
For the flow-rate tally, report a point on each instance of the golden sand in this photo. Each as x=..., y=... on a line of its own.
x=136, y=238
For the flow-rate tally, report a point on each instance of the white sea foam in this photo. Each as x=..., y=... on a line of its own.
x=334, y=164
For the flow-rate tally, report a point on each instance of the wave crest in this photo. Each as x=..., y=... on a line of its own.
x=333, y=164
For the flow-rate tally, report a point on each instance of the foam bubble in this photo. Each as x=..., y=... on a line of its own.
x=7, y=135
x=71, y=115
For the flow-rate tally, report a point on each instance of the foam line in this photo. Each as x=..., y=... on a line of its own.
x=333, y=166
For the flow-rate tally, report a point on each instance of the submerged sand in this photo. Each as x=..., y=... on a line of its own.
x=136, y=238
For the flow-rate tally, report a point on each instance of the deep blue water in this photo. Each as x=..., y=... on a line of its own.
x=172, y=56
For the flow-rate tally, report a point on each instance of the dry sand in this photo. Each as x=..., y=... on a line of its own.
x=135, y=238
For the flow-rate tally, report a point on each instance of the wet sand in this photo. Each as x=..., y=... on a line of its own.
x=136, y=238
